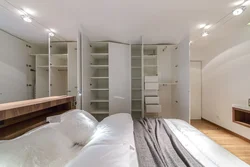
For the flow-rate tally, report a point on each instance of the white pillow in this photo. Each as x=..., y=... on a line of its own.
x=114, y=129
x=58, y=118
x=44, y=147
x=77, y=127
x=81, y=111
x=102, y=156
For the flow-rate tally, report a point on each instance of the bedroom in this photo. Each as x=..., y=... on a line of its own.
x=163, y=59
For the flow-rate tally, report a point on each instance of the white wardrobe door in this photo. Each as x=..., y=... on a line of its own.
x=119, y=78
x=84, y=87
x=72, y=69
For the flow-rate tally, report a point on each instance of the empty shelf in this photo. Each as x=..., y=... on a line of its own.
x=59, y=67
x=99, y=101
x=42, y=67
x=150, y=56
x=100, y=55
x=99, y=66
x=100, y=112
x=99, y=77
x=97, y=89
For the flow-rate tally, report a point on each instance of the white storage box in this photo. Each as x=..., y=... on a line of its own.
x=152, y=100
x=151, y=78
x=153, y=108
x=151, y=93
x=151, y=86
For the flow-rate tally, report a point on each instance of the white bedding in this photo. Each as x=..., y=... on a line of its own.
x=206, y=151
x=111, y=145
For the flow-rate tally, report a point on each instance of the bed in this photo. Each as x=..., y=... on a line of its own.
x=111, y=144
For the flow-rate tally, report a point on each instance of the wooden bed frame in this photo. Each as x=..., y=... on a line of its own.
x=16, y=118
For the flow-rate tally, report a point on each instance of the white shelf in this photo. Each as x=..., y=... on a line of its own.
x=100, y=112
x=99, y=101
x=99, y=77
x=42, y=67
x=99, y=66
x=150, y=56
x=97, y=89
x=48, y=54
x=59, y=67
x=100, y=55
x=168, y=83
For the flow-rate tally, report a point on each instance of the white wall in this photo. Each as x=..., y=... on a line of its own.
x=226, y=81
x=195, y=87
x=181, y=90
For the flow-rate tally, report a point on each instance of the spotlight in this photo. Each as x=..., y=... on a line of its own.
x=202, y=26
x=204, y=34
x=27, y=18
x=207, y=27
x=51, y=34
x=238, y=11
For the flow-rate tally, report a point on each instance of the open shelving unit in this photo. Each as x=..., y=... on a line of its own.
x=136, y=85
x=99, y=65
x=62, y=57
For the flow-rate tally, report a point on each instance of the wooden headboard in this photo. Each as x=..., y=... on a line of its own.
x=16, y=118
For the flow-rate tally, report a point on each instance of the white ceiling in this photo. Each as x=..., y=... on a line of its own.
x=159, y=21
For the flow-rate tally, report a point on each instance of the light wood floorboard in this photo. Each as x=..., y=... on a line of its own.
x=231, y=142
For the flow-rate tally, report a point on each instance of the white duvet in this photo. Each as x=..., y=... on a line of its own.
x=206, y=151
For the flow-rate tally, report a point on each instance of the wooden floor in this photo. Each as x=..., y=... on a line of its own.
x=232, y=143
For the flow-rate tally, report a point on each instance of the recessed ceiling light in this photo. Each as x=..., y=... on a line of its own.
x=207, y=26
x=238, y=11
x=21, y=12
x=51, y=34
x=201, y=26
x=27, y=19
x=204, y=34
x=29, y=11
x=52, y=30
x=248, y=24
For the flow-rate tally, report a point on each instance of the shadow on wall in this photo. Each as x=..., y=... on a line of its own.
x=226, y=81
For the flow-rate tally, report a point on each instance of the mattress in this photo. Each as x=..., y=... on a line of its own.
x=206, y=151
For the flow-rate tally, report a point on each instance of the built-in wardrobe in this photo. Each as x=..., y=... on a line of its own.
x=142, y=79
x=55, y=71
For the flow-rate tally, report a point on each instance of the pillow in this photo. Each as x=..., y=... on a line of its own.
x=87, y=114
x=77, y=127
x=58, y=118
x=44, y=147
x=114, y=129
x=102, y=156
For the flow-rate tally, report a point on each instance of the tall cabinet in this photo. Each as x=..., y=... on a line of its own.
x=105, y=77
